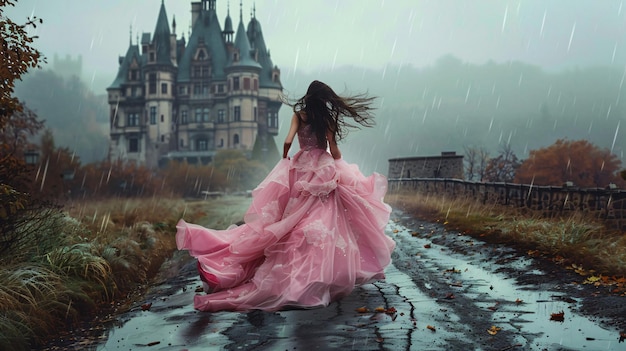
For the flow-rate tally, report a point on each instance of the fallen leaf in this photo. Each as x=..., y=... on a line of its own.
x=427, y=246
x=146, y=306
x=362, y=309
x=391, y=310
x=558, y=317
x=493, y=330
x=431, y=328
x=518, y=301
x=379, y=309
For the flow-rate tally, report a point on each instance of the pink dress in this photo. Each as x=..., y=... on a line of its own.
x=314, y=231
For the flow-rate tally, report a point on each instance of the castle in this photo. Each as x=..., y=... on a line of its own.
x=177, y=99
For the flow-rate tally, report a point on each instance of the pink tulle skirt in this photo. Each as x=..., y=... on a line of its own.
x=314, y=231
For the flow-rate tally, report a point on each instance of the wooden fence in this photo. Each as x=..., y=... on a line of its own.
x=608, y=204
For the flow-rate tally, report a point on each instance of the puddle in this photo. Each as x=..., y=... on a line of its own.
x=513, y=307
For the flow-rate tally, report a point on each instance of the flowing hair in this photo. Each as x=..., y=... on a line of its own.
x=327, y=111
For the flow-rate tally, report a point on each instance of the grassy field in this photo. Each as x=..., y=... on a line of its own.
x=577, y=242
x=92, y=255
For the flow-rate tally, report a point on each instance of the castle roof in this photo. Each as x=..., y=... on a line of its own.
x=205, y=32
x=255, y=35
x=126, y=61
x=245, y=51
x=161, y=39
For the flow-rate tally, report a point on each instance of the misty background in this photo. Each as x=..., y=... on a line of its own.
x=448, y=74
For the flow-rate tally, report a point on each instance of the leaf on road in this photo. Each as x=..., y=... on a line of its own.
x=493, y=330
x=558, y=317
x=362, y=309
x=430, y=327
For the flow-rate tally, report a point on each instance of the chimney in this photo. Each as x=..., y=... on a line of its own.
x=196, y=7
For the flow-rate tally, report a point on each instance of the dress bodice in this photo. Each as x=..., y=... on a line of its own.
x=308, y=139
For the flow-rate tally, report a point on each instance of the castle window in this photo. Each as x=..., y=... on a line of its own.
x=246, y=84
x=236, y=139
x=162, y=118
x=272, y=119
x=255, y=84
x=197, y=89
x=255, y=112
x=198, y=115
x=197, y=72
x=132, y=120
x=220, y=88
x=222, y=142
x=152, y=83
x=235, y=83
x=205, y=115
x=182, y=90
x=205, y=89
x=221, y=116
x=152, y=57
x=133, y=144
x=202, y=144
x=163, y=88
x=162, y=138
x=182, y=143
x=183, y=117
x=134, y=74
x=237, y=114
x=152, y=114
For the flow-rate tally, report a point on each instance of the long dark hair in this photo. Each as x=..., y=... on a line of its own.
x=325, y=111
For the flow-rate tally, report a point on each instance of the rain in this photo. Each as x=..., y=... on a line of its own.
x=446, y=75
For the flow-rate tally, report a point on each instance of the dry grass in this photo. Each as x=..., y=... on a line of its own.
x=576, y=238
x=93, y=253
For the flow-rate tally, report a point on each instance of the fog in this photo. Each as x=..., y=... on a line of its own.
x=448, y=74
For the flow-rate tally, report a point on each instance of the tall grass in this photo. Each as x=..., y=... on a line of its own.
x=576, y=238
x=69, y=263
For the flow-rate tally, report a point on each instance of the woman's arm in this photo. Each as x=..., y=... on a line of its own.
x=293, y=128
x=332, y=143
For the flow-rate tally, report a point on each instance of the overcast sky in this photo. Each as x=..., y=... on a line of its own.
x=307, y=35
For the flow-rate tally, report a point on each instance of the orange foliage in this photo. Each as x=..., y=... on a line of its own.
x=580, y=162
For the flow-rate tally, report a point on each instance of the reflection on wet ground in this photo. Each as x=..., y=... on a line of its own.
x=443, y=300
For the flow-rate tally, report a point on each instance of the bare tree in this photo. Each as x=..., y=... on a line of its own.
x=476, y=160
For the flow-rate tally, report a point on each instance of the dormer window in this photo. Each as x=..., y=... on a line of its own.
x=201, y=54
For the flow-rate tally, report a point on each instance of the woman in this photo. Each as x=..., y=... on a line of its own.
x=315, y=228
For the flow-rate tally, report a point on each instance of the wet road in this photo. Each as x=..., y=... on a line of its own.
x=462, y=296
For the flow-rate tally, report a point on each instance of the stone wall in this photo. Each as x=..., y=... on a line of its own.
x=448, y=165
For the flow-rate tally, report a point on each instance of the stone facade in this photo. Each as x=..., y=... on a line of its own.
x=448, y=165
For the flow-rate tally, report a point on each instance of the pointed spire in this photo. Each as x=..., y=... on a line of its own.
x=174, y=24
x=161, y=39
x=130, y=36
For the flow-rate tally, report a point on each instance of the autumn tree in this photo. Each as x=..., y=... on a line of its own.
x=580, y=162
x=503, y=167
x=17, y=123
